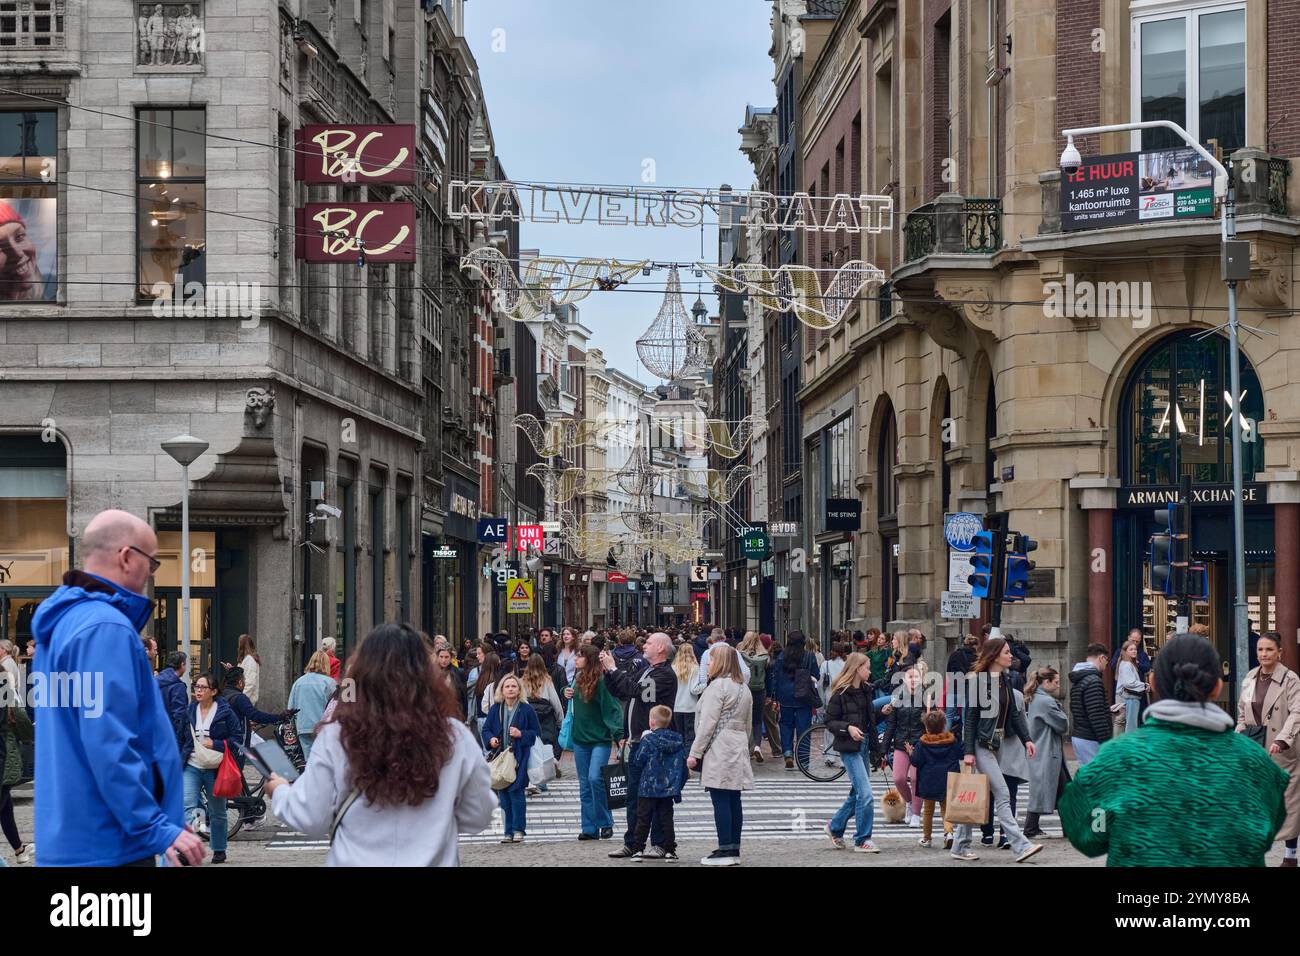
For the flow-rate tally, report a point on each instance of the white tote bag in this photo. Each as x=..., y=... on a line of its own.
x=541, y=763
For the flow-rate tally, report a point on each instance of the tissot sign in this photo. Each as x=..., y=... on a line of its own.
x=342, y=231
x=1129, y=188
x=1147, y=496
x=354, y=155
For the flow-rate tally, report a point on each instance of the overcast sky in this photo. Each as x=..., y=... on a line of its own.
x=587, y=90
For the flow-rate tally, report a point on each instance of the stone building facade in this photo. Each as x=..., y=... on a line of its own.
x=974, y=387
x=312, y=391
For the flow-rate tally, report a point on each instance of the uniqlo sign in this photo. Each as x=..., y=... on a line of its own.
x=528, y=536
x=344, y=231
x=355, y=155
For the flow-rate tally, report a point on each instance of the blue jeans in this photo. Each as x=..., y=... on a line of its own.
x=634, y=784
x=794, y=721
x=876, y=704
x=514, y=809
x=199, y=783
x=727, y=818
x=591, y=787
x=1084, y=750
x=1131, y=707
x=860, y=803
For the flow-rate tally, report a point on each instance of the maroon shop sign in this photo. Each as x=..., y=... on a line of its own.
x=327, y=154
x=344, y=231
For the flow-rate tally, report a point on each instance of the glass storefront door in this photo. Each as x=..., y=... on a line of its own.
x=203, y=626
x=16, y=610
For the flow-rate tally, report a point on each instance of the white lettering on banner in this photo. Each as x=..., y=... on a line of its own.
x=1200, y=496
x=336, y=160
x=492, y=202
x=335, y=223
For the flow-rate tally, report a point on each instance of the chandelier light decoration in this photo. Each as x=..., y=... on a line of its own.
x=673, y=345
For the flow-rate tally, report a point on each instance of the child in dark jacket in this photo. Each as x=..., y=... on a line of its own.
x=938, y=754
x=661, y=759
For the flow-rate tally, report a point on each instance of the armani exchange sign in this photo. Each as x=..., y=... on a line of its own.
x=1157, y=495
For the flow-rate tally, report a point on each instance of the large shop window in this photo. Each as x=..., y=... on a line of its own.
x=29, y=207
x=1178, y=415
x=171, y=223
x=886, y=459
x=1189, y=66
x=33, y=531
x=839, y=459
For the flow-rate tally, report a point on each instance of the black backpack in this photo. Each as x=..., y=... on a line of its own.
x=804, y=695
x=546, y=718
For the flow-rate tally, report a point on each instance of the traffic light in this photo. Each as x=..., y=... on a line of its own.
x=981, y=562
x=1019, y=566
x=1162, y=554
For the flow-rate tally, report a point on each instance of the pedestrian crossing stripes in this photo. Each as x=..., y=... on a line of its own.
x=793, y=808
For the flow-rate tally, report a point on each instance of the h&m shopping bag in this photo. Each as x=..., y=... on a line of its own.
x=968, y=797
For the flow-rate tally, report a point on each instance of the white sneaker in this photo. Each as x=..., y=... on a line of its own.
x=913, y=821
x=1031, y=850
x=866, y=847
x=26, y=854
x=924, y=842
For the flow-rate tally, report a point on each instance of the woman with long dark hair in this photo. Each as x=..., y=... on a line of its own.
x=251, y=662
x=490, y=671
x=597, y=723
x=1182, y=789
x=986, y=720
x=794, y=684
x=394, y=776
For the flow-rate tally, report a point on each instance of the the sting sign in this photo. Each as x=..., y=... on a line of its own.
x=353, y=155
x=343, y=231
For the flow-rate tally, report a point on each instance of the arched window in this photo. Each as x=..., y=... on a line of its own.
x=886, y=459
x=1176, y=414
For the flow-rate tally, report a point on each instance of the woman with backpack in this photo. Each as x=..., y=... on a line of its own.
x=541, y=695
x=794, y=684
x=756, y=658
x=851, y=722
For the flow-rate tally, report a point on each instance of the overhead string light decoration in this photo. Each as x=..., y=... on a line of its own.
x=797, y=289
x=672, y=346
x=545, y=280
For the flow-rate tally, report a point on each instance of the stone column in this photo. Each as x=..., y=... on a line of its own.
x=1101, y=590
x=1286, y=578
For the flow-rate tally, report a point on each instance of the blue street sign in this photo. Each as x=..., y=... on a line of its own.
x=493, y=530
x=960, y=529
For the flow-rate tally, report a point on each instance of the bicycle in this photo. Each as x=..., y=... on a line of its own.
x=815, y=755
x=251, y=804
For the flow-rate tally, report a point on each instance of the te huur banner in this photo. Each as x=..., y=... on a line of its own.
x=352, y=155
x=351, y=231
x=1129, y=188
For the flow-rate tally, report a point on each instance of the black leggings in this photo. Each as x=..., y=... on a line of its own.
x=7, y=822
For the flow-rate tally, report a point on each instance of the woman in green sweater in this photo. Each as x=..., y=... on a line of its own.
x=597, y=723
x=1183, y=789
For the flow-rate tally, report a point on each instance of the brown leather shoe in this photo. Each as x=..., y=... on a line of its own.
x=1288, y=861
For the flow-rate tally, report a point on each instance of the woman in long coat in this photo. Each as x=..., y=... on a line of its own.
x=1271, y=698
x=1047, y=727
x=722, y=721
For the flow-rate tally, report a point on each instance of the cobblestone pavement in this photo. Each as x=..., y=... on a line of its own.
x=784, y=819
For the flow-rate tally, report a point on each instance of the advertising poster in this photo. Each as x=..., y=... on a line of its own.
x=29, y=250
x=1129, y=188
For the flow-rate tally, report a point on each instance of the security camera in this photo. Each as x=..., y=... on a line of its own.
x=330, y=510
x=1070, y=158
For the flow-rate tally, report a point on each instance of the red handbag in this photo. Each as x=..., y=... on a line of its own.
x=229, y=782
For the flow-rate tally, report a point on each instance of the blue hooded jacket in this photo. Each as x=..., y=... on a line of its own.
x=108, y=772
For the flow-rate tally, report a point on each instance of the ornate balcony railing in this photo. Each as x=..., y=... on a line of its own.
x=953, y=224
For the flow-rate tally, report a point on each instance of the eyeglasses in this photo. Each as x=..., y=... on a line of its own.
x=154, y=563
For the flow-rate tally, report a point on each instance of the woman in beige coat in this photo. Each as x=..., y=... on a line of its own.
x=1271, y=698
x=722, y=719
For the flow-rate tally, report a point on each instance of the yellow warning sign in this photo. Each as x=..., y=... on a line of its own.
x=519, y=597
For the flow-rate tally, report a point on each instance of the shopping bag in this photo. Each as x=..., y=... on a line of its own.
x=615, y=776
x=229, y=782
x=565, y=740
x=968, y=797
x=541, y=764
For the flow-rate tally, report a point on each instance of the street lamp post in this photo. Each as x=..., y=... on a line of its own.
x=184, y=449
x=1070, y=160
